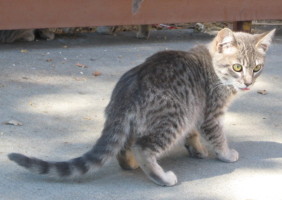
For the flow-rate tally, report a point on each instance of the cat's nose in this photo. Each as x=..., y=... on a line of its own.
x=247, y=84
x=248, y=80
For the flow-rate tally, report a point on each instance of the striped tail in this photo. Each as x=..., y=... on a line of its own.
x=108, y=146
x=118, y=127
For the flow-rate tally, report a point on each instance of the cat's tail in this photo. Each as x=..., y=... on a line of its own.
x=108, y=145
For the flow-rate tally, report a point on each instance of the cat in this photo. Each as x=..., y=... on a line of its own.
x=173, y=96
x=9, y=36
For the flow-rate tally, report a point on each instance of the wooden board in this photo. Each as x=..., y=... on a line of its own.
x=19, y=14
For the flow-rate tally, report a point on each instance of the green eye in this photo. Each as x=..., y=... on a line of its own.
x=257, y=68
x=237, y=67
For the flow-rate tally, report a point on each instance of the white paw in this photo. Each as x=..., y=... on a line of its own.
x=170, y=179
x=230, y=156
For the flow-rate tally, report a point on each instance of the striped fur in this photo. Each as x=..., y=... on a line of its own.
x=173, y=96
x=9, y=36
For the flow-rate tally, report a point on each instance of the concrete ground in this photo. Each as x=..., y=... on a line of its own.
x=60, y=106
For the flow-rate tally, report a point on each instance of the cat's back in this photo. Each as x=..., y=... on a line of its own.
x=163, y=58
x=163, y=73
x=166, y=67
x=195, y=57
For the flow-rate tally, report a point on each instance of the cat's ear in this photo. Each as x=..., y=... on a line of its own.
x=225, y=42
x=263, y=40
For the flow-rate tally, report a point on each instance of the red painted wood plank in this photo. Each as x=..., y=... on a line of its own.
x=17, y=14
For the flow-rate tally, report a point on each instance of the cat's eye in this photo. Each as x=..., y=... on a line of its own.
x=237, y=67
x=257, y=68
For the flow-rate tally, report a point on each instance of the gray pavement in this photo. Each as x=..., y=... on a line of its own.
x=61, y=108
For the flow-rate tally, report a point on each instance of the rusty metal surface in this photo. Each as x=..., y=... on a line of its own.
x=16, y=14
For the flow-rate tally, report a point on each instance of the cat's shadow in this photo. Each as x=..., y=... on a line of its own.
x=253, y=155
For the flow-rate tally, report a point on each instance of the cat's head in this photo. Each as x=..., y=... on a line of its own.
x=238, y=58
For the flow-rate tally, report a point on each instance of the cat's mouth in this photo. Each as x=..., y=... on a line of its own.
x=245, y=89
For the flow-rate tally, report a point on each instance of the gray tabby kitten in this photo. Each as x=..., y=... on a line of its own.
x=173, y=96
x=9, y=36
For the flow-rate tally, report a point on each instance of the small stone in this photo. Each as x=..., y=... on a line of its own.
x=24, y=51
x=263, y=92
x=13, y=122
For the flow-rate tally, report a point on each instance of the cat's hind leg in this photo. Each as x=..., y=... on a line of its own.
x=194, y=145
x=162, y=127
x=148, y=163
x=127, y=160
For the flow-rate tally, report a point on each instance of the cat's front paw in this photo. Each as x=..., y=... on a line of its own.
x=170, y=179
x=164, y=179
x=231, y=155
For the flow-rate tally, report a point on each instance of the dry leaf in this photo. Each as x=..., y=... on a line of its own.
x=80, y=79
x=81, y=65
x=263, y=92
x=96, y=73
x=13, y=122
x=87, y=118
x=24, y=51
x=49, y=60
